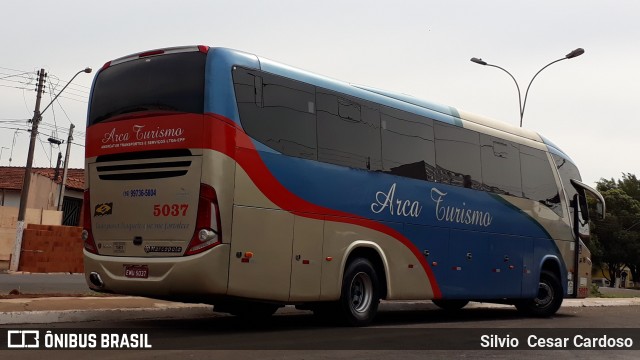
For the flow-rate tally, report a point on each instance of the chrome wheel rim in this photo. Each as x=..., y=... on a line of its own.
x=361, y=292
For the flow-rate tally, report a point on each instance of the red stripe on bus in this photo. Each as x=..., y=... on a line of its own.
x=218, y=133
x=248, y=158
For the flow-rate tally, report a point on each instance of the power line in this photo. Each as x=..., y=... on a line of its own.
x=16, y=81
x=15, y=87
x=53, y=110
x=45, y=150
x=70, y=85
x=14, y=120
x=22, y=71
x=86, y=101
x=14, y=75
x=12, y=128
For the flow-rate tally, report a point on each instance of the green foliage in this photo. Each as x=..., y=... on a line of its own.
x=616, y=240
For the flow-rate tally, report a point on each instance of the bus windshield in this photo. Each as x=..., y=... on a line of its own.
x=172, y=82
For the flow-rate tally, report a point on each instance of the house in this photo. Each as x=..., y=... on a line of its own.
x=44, y=191
x=41, y=213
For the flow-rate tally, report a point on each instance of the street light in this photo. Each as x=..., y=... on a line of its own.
x=37, y=116
x=86, y=70
x=575, y=53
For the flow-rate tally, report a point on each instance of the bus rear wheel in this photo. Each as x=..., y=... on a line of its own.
x=360, y=295
x=548, y=300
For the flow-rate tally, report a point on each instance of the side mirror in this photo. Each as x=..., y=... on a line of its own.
x=583, y=189
x=580, y=216
x=600, y=210
x=584, y=208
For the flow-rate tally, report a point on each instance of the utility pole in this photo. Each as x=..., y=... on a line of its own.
x=17, y=247
x=66, y=168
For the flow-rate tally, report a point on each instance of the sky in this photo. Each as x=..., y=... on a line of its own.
x=585, y=105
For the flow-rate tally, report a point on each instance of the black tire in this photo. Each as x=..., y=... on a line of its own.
x=548, y=300
x=360, y=294
x=451, y=305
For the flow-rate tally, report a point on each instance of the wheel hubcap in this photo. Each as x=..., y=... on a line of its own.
x=361, y=292
x=545, y=295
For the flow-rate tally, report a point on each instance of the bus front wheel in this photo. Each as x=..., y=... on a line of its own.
x=360, y=295
x=548, y=300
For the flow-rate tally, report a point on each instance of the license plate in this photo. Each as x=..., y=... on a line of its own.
x=136, y=271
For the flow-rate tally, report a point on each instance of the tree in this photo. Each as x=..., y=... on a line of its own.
x=618, y=235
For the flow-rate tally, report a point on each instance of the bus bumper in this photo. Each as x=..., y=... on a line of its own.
x=200, y=275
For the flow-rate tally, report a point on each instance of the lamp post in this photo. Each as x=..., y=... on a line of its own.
x=37, y=116
x=575, y=53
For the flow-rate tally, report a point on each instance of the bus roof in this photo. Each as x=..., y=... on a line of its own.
x=438, y=112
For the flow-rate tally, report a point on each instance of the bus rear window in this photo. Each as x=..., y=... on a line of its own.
x=172, y=82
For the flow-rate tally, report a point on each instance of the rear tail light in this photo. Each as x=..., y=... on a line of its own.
x=106, y=65
x=87, y=235
x=208, y=231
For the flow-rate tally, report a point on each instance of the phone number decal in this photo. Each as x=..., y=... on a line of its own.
x=140, y=193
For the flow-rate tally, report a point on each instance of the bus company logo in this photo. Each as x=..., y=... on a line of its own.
x=142, y=133
x=23, y=339
x=388, y=201
x=458, y=215
x=103, y=209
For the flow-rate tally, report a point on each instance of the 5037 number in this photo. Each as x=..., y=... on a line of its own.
x=170, y=209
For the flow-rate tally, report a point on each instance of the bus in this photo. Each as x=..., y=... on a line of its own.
x=220, y=177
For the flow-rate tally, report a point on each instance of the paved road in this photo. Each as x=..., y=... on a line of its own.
x=408, y=334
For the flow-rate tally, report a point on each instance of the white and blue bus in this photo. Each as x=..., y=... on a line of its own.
x=218, y=176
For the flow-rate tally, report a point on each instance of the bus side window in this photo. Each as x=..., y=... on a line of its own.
x=277, y=111
x=348, y=131
x=538, y=183
x=501, y=166
x=458, y=156
x=407, y=144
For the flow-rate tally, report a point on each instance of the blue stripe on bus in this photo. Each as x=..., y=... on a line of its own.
x=510, y=230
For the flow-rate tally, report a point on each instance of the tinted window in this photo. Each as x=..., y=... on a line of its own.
x=278, y=112
x=348, y=131
x=458, y=156
x=567, y=171
x=500, y=166
x=173, y=82
x=538, y=182
x=407, y=144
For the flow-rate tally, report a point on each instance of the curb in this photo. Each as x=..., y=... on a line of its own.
x=62, y=316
